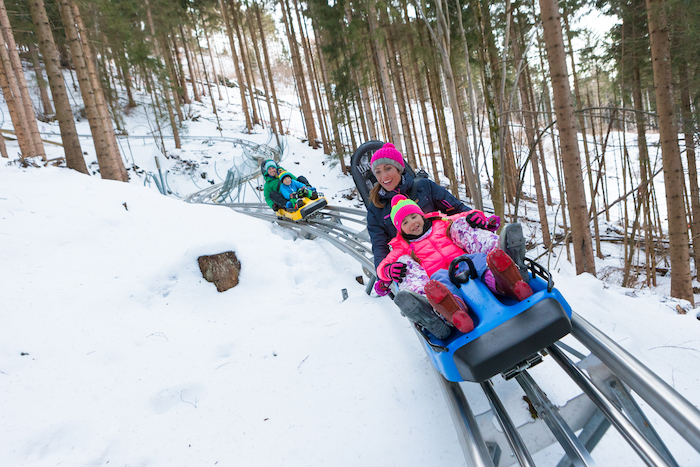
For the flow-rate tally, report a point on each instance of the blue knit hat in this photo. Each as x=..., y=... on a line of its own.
x=269, y=163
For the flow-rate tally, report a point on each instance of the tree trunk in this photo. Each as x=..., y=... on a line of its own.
x=64, y=114
x=124, y=64
x=571, y=159
x=424, y=92
x=362, y=87
x=582, y=124
x=19, y=120
x=22, y=97
x=489, y=97
x=263, y=78
x=313, y=80
x=173, y=81
x=299, y=75
x=206, y=77
x=41, y=82
x=442, y=41
x=211, y=57
x=681, y=286
x=411, y=96
x=247, y=69
x=100, y=102
x=190, y=67
x=164, y=85
x=331, y=104
x=14, y=103
x=236, y=64
x=472, y=99
x=399, y=86
x=3, y=148
x=106, y=160
x=263, y=40
x=688, y=128
x=643, y=164
x=530, y=129
x=181, y=73
x=385, y=80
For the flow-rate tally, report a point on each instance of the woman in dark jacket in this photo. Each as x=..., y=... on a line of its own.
x=388, y=167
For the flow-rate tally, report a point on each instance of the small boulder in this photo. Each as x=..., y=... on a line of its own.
x=222, y=269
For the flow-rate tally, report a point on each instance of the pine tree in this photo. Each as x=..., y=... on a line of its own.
x=64, y=114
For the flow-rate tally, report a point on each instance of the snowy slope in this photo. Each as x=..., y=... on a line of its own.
x=113, y=349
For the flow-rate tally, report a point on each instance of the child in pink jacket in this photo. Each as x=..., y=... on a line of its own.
x=422, y=251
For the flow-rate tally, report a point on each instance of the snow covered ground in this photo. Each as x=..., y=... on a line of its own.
x=114, y=350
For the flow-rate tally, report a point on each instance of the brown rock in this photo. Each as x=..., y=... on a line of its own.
x=222, y=269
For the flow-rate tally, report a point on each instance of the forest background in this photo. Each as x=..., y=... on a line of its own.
x=486, y=95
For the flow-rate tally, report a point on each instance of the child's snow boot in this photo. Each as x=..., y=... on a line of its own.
x=512, y=242
x=416, y=308
x=313, y=195
x=507, y=276
x=451, y=307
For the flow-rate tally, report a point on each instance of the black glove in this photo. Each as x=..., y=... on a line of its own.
x=397, y=271
x=302, y=192
x=292, y=196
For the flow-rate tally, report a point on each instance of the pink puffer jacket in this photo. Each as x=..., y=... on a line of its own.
x=434, y=251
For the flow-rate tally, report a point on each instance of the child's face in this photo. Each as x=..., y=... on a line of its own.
x=388, y=176
x=272, y=172
x=412, y=224
x=287, y=180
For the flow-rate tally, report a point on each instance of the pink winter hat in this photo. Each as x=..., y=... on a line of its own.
x=402, y=207
x=387, y=154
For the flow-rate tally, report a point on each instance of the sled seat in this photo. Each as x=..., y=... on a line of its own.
x=506, y=332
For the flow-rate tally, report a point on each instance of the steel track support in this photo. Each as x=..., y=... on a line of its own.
x=548, y=412
x=517, y=445
x=635, y=414
x=648, y=453
x=676, y=410
x=591, y=434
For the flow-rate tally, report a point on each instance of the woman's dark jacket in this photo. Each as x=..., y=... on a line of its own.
x=429, y=196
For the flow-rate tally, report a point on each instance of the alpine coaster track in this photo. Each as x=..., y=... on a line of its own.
x=608, y=376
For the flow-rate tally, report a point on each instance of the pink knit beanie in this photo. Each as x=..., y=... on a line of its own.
x=387, y=154
x=402, y=207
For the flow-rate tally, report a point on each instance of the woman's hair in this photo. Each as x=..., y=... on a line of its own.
x=374, y=195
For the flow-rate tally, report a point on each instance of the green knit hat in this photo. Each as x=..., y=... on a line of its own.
x=402, y=207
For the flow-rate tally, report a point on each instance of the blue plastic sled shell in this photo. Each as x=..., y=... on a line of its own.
x=506, y=331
